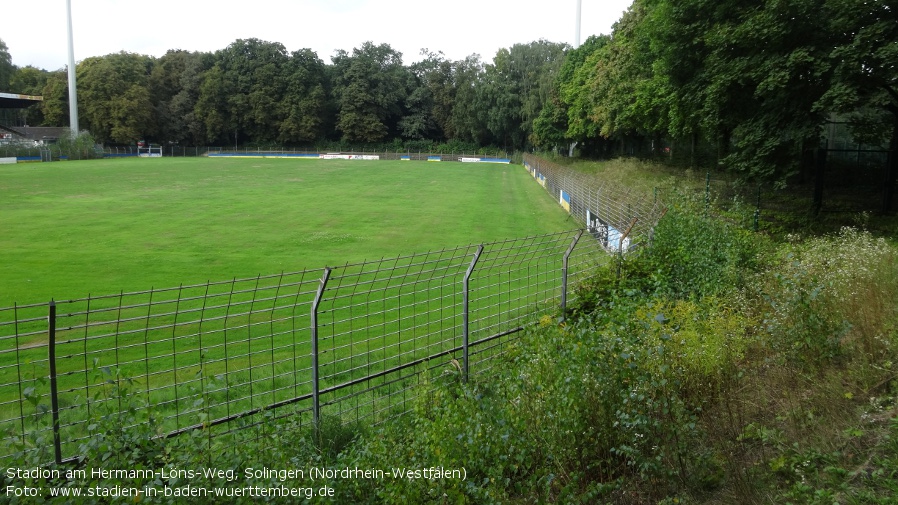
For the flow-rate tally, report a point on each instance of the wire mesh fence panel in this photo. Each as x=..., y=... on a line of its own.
x=514, y=282
x=25, y=420
x=348, y=342
x=606, y=209
x=379, y=322
x=182, y=357
x=584, y=260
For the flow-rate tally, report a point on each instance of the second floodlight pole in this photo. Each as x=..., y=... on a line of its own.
x=73, y=93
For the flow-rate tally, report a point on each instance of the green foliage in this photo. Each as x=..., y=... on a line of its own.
x=586, y=411
x=79, y=147
x=114, y=97
x=864, y=72
x=803, y=330
x=122, y=432
x=850, y=467
x=55, y=107
x=175, y=89
x=574, y=82
x=832, y=297
x=693, y=254
x=244, y=95
x=331, y=436
x=123, y=440
x=7, y=69
x=369, y=88
x=516, y=87
x=549, y=128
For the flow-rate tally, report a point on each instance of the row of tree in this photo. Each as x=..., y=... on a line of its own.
x=753, y=81
x=257, y=92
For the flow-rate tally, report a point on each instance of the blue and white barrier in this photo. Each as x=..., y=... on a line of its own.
x=565, y=201
x=484, y=160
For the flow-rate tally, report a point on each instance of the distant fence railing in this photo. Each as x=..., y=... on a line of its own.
x=618, y=217
x=53, y=152
x=347, y=342
x=384, y=154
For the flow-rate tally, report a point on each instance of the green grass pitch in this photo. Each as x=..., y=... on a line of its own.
x=79, y=228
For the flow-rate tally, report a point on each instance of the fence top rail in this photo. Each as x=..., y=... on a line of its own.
x=186, y=299
x=155, y=291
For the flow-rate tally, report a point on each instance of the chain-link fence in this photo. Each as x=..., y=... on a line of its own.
x=348, y=342
x=620, y=218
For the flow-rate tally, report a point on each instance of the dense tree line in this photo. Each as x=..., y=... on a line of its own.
x=751, y=82
x=256, y=92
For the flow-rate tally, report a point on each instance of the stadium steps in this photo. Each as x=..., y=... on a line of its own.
x=9, y=129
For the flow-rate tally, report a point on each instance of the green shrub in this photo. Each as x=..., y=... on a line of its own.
x=695, y=255
x=80, y=147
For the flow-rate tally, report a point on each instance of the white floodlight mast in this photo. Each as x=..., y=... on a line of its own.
x=73, y=93
x=572, y=145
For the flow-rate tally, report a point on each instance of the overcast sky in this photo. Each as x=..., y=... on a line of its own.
x=35, y=30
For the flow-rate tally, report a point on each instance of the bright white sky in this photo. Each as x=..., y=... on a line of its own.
x=35, y=30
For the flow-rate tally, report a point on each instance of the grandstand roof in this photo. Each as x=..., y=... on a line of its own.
x=39, y=132
x=16, y=101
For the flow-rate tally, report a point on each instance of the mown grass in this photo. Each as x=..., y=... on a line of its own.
x=192, y=357
x=98, y=227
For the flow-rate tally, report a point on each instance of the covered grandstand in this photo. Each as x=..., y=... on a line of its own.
x=12, y=124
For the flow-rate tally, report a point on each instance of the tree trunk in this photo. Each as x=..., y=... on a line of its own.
x=693, y=162
x=723, y=146
x=806, y=165
x=819, y=169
